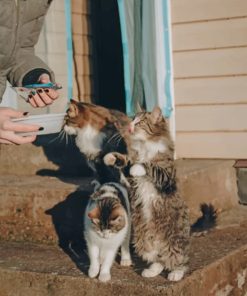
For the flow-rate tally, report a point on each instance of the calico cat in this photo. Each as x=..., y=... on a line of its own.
x=160, y=218
x=96, y=131
x=107, y=227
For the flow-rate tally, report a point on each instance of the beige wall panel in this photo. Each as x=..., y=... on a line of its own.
x=214, y=34
x=212, y=118
x=211, y=145
x=210, y=62
x=197, y=10
x=217, y=90
x=58, y=62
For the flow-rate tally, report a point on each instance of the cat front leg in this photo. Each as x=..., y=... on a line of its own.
x=93, y=252
x=105, y=270
x=125, y=251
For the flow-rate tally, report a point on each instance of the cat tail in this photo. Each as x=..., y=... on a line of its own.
x=207, y=221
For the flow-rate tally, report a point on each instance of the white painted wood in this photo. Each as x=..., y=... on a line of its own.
x=220, y=62
x=219, y=90
x=212, y=145
x=212, y=118
x=197, y=10
x=210, y=34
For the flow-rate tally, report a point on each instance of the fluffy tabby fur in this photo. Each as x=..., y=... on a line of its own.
x=161, y=228
x=107, y=227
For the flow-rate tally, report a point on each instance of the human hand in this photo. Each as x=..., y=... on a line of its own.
x=43, y=97
x=8, y=127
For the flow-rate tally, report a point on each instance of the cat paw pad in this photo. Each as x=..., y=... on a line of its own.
x=104, y=277
x=137, y=170
x=126, y=262
x=175, y=275
x=109, y=159
x=93, y=272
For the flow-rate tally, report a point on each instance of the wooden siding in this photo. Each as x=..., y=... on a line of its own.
x=210, y=77
x=82, y=42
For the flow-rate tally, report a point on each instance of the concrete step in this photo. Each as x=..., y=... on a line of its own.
x=31, y=206
x=49, y=155
x=218, y=266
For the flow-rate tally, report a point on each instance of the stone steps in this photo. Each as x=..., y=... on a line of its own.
x=31, y=205
x=218, y=266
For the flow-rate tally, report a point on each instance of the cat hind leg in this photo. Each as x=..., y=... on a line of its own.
x=153, y=270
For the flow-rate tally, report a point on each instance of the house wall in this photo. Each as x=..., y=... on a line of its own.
x=82, y=42
x=210, y=71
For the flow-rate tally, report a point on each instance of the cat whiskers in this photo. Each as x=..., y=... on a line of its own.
x=115, y=138
x=60, y=137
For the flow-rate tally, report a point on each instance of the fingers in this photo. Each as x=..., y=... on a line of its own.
x=12, y=113
x=8, y=137
x=52, y=93
x=43, y=97
x=3, y=141
x=20, y=127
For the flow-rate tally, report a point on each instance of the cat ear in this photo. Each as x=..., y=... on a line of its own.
x=73, y=101
x=156, y=115
x=73, y=110
x=94, y=213
x=138, y=108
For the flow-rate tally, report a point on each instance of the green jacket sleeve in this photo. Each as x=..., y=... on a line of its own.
x=25, y=62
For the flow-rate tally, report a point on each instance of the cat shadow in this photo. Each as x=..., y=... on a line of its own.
x=64, y=154
x=67, y=217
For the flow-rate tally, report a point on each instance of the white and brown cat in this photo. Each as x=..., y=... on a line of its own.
x=107, y=226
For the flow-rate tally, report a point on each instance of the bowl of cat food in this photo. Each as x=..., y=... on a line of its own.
x=51, y=123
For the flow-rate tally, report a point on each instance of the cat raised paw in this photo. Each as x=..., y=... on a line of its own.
x=137, y=170
x=109, y=159
x=115, y=159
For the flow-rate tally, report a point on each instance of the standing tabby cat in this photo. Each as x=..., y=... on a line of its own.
x=107, y=227
x=159, y=216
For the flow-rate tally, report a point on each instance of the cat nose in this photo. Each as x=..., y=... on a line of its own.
x=131, y=128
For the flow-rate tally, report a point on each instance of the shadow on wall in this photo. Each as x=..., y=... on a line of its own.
x=63, y=152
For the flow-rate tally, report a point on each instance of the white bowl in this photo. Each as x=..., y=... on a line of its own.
x=52, y=123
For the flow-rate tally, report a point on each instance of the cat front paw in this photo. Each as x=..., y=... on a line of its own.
x=176, y=275
x=137, y=170
x=93, y=271
x=125, y=262
x=104, y=277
